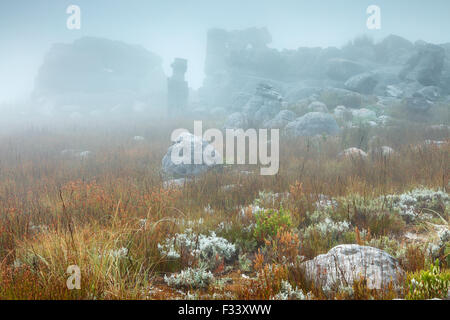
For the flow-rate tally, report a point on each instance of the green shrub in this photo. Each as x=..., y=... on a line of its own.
x=270, y=221
x=429, y=284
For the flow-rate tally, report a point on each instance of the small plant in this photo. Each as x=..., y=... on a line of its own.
x=419, y=202
x=190, y=278
x=207, y=250
x=284, y=247
x=270, y=221
x=429, y=284
x=289, y=293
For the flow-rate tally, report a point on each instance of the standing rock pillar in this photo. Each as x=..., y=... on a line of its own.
x=177, y=90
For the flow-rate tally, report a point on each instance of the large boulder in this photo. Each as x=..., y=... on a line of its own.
x=280, y=120
x=263, y=106
x=190, y=146
x=312, y=124
x=347, y=263
x=342, y=69
x=425, y=65
x=101, y=73
x=362, y=83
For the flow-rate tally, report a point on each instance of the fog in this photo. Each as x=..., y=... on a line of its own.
x=175, y=28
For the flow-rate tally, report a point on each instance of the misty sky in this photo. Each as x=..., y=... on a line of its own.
x=177, y=28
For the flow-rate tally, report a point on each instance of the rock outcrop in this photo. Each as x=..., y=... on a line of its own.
x=96, y=73
x=426, y=65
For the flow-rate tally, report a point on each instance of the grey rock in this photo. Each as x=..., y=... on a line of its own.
x=394, y=50
x=175, y=183
x=209, y=157
x=363, y=115
x=334, y=97
x=353, y=153
x=431, y=93
x=342, y=69
x=263, y=106
x=383, y=151
x=417, y=104
x=363, y=83
x=312, y=124
x=393, y=91
x=344, y=264
x=426, y=65
x=299, y=93
x=96, y=72
x=280, y=120
x=317, y=106
x=236, y=120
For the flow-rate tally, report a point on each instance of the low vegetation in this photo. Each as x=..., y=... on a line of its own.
x=228, y=234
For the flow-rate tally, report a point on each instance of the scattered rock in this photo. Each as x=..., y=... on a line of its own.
x=175, y=183
x=78, y=154
x=435, y=143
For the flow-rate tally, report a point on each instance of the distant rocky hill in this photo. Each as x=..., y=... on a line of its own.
x=94, y=74
x=236, y=61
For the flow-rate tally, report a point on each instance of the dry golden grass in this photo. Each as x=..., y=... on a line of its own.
x=93, y=207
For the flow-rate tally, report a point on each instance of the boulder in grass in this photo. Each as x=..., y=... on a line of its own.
x=345, y=264
x=179, y=160
x=353, y=153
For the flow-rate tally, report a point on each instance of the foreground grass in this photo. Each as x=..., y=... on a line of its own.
x=108, y=213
